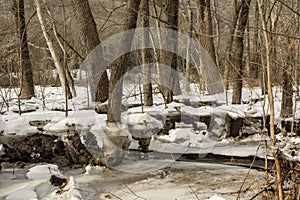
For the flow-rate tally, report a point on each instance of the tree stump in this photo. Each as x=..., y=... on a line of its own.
x=233, y=126
x=76, y=152
x=116, y=143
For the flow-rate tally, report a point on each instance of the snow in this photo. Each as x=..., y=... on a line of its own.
x=43, y=171
x=185, y=138
x=143, y=120
x=69, y=192
x=15, y=124
x=81, y=118
x=289, y=147
x=26, y=193
x=215, y=197
x=91, y=170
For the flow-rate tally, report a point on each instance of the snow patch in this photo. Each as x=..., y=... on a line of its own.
x=68, y=192
x=185, y=136
x=142, y=120
x=27, y=193
x=215, y=197
x=43, y=171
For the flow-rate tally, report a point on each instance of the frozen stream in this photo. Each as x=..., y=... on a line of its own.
x=177, y=180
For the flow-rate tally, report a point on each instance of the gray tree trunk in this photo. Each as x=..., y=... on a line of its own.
x=169, y=81
x=26, y=80
x=118, y=68
x=116, y=142
x=147, y=86
x=287, y=86
x=90, y=39
x=238, y=49
x=206, y=27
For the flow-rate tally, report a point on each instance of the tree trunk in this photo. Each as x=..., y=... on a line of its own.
x=238, y=49
x=254, y=67
x=169, y=81
x=60, y=70
x=147, y=86
x=228, y=61
x=26, y=80
x=187, y=61
x=118, y=68
x=116, y=142
x=206, y=27
x=287, y=85
x=90, y=39
x=271, y=102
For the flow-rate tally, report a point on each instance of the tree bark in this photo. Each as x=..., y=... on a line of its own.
x=68, y=76
x=206, y=27
x=229, y=52
x=187, y=61
x=287, y=85
x=60, y=70
x=254, y=67
x=169, y=81
x=115, y=142
x=26, y=80
x=90, y=39
x=147, y=85
x=118, y=68
x=238, y=49
x=271, y=102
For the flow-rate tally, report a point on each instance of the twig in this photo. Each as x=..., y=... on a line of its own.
x=250, y=167
x=261, y=191
x=194, y=192
x=133, y=191
x=114, y=195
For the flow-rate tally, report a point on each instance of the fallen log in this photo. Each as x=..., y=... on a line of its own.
x=32, y=148
x=64, y=149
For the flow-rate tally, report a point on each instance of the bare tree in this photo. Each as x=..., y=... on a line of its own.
x=68, y=76
x=271, y=101
x=26, y=80
x=169, y=80
x=90, y=38
x=59, y=67
x=287, y=84
x=118, y=68
x=205, y=27
x=241, y=15
x=147, y=86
